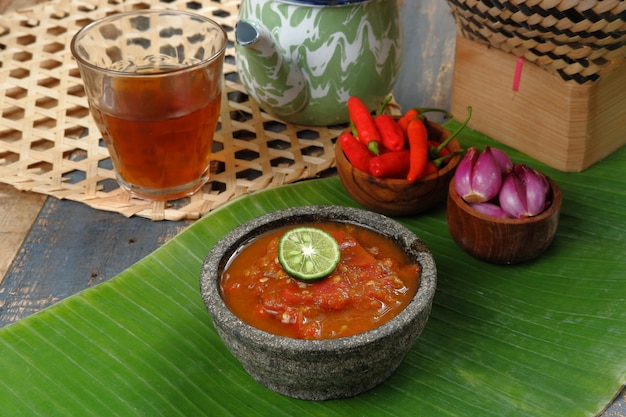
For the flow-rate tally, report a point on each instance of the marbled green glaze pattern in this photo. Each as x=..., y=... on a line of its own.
x=310, y=59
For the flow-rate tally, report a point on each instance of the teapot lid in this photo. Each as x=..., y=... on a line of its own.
x=323, y=2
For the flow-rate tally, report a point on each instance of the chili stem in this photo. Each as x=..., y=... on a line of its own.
x=439, y=161
x=381, y=109
x=455, y=133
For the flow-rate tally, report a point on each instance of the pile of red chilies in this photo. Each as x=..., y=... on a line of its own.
x=389, y=148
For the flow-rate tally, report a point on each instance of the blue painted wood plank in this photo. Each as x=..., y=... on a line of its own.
x=72, y=247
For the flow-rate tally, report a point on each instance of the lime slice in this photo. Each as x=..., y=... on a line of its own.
x=308, y=253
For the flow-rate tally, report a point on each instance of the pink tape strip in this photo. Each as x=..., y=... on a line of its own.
x=518, y=73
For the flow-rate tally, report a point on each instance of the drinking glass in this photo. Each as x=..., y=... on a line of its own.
x=153, y=80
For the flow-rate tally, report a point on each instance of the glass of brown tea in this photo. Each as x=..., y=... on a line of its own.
x=153, y=80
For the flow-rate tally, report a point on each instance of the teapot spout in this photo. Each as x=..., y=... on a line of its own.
x=246, y=33
x=271, y=76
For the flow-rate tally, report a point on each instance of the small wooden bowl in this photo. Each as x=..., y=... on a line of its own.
x=502, y=241
x=398, y=197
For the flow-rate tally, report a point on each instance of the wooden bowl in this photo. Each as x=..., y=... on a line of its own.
x=398, y=197
x=502, y=241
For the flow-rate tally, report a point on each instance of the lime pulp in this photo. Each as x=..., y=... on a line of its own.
x=308, y=253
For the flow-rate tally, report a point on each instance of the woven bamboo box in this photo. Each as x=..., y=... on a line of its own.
x=566, y=125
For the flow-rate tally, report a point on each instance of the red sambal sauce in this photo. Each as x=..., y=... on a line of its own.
x=372, y=283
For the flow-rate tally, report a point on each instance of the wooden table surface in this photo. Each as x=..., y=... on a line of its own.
x=51, y=249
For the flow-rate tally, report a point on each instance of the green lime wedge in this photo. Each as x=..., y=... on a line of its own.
x=308, y=253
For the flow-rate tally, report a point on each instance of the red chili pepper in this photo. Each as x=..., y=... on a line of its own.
x=364, y=124
x=430, y=168
x=391, y=134
x=403, y=121
x=418, y=146
x=435, y=144
x=358, y=155
x=391, y=164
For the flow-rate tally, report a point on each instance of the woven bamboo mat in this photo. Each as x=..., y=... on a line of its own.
x=49, y=143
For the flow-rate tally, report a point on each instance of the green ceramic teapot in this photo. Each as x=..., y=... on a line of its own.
x=300, y=60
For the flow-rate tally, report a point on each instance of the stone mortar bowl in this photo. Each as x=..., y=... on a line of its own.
x=319, y=369
x=398, y=197
x=502, y=241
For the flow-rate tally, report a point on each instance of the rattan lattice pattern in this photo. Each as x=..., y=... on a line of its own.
x=577, y=40
x=49, y=144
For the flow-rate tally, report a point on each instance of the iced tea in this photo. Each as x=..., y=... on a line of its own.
x=159, y=130
x=153, y=80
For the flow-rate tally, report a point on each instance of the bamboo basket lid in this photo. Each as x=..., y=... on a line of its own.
x=576, y=40
x=49, y=143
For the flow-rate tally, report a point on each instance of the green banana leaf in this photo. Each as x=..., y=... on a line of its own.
x=545, y=338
